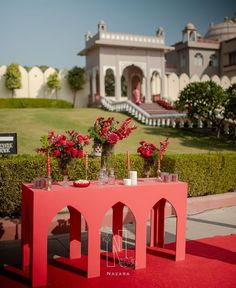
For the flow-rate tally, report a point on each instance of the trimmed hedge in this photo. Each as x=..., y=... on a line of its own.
x=205, y=173
x=34, y=103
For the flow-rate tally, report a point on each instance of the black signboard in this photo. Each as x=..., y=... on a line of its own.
x=8, y=143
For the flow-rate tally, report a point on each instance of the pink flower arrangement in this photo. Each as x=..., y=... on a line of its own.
x=105, y=130
x=64, y=147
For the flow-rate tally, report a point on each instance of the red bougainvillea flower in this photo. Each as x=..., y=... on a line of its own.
x=80, y=153
x=112, y=138
x=146, y=149
x=106, y=130
x=64, y=147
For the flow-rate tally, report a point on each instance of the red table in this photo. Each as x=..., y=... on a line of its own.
x=39, y=208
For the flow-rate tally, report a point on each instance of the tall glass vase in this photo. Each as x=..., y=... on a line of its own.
x=107, y=153
x=147, y=167
x=63, y=167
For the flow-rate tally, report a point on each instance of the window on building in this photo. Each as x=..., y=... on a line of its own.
x=213, y=61
x=182, y=60
x=192, y=36
x=232, y=58
x=198, y=59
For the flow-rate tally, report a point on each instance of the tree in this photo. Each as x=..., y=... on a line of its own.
x=110, y=83
x=76, y=80
x=124, y=87
x=13, y=78
x=53, y=82
x=205, y=101
x=231, y=105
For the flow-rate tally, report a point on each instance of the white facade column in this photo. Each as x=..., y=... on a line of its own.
x=93, y=85
x=143, y=87
x=163, y=88
x=148, y=89
x=101, y=82
x=118, y=85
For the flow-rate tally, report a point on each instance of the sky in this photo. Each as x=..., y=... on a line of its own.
x=51, y=32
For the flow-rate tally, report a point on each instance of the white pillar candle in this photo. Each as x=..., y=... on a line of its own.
x=127, y=182
x=134, y=177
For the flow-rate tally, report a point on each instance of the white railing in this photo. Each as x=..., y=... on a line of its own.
x=141, y=115
x=158, y=119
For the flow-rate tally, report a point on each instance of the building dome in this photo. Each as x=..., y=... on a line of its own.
x=101, y=22
x=222, y=31
x=190, y=26
x=102, y=25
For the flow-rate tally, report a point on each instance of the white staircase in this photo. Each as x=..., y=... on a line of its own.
x=158, y=116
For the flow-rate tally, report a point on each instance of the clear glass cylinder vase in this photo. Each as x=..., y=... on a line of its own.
x=107, y=153
x=147, y=167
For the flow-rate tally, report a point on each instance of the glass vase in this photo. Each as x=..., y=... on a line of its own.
x=107, y=153
x=65, y=181
x=63, y=166
x=147, y=168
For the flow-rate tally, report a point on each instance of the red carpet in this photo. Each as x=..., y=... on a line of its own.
x=210, y=262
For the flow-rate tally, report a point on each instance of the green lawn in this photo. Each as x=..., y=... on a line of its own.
x=31, y=124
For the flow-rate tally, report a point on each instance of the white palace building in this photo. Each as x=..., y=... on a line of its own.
x=139, y=59
x=157, y=70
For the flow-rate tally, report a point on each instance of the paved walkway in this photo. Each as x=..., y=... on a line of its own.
x=211, y=223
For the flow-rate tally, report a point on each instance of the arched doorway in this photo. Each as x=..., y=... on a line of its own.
x=134, y=77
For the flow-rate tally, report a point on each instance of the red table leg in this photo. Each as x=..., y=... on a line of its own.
x=180, y=235
x=153, y=226
x=140, y=244
x=75, y=233
x=38, y=255
x=161, y=223
x=117, y=227
x=26, y=227
x=157, y=224
x=93, y=251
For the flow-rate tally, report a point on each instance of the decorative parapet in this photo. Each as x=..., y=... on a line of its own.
x=131, y=37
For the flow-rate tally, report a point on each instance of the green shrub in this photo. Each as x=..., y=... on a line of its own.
x=33, y=103
x=205, y=173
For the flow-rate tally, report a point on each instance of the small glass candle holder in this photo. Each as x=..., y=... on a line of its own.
x=111, y=178
x=165, y=177
x=174, y=177
x=39, y=183
x=48, y=184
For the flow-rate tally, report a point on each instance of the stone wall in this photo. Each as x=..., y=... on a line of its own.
x=34, y=85
x=175, y=84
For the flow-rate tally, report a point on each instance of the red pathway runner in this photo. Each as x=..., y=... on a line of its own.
x=210, y=262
